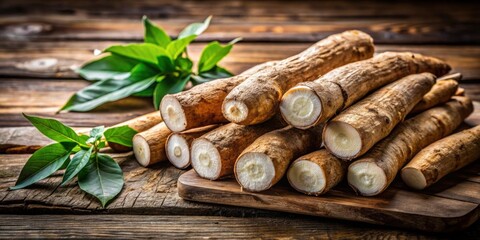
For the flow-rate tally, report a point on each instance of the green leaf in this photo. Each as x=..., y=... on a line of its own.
x=146, y=93
x=43, y=163
x=108, y=67
x=102, y=177
x=212, y=54
x=95, y=134
x=122, y=135
x=195, y=28
x=144, y=52
x=215, y=73
x=165, y=64
x=55, y=130
x=79, y=160
x=154, y=34
x=168, y=85
x=105, y=91
x=141, y=71
x=175, y=48
x=184, y=64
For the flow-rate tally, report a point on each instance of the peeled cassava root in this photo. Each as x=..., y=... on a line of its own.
x=354, y=131
x=213, y=155
x=316, y=173
x=262, y=164
x=138, y=124
x=313, y=103
x=373, y=173
x=149, y=145
x=442, y=157
x=202, y=104
x=178, y=145
x=441, y=92
x=256, y=99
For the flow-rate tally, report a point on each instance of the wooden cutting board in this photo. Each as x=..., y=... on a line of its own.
x=451, y=204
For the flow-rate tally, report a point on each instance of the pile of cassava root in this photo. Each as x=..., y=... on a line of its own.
x=331, y=112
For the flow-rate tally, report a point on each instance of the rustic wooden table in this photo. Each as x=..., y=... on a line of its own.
x=42, y=41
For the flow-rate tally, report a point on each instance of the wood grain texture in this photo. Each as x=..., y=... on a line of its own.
x=394, y=207
x=251, y=28
x=58, y=59
x=198, y=227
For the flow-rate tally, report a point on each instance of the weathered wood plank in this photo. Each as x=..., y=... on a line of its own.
x=198, y=227
x=246, y=9
x=57, y=59
x=383, y=30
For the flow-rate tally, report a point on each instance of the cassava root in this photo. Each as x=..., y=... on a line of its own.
x=354, y=131
x=441, y=158
x=372, y=174
x=213, y=155
x=257, y=98
x=138, y=124
x=178, y=145
x=316, y=173
x=262, y=164
x=312, y=103
x=149, y=145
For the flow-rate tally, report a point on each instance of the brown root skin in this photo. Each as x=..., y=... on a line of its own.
x=452, y=76
x=442, y=157
x=172, y=149
x=155, y=139
x=202, y=104
x=343, y=86
x=138, y=124
x=409, y=137
x=281, y=147
x=230, y=140
x=441, y=92
x=332, y=169
x=261, y=92
x=374, y=117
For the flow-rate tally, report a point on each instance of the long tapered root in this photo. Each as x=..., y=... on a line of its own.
x=342, y=139
x=178, y=151
x=173, y=113
x=255, y=171
x=366, y=178
x=206, y=159
x=306, y=176
x=141, y=150
x=301, y=107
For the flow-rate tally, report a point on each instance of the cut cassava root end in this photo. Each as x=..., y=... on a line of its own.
x=373, y=173
x=213, y=155
x=149, y=145
x=441, y=158
x=138, y=124
x=257, y=98
x=316, y=173
x=354, y=131
x=262, y=164
x=178, y=145
x=343, y=86
x=201, y=105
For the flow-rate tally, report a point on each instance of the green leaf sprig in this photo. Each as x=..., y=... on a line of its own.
x=98, y=174
x=154, y=68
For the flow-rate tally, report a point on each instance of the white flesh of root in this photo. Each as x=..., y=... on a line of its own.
x=414, y=178
x=366, y=178
x=178, y=151
x=141, y=149
x=301, y=107
x=205, y=159
x=172, y=114
x=255, y=171
x=342, y=140
x=235, y=111
x=306, y=176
